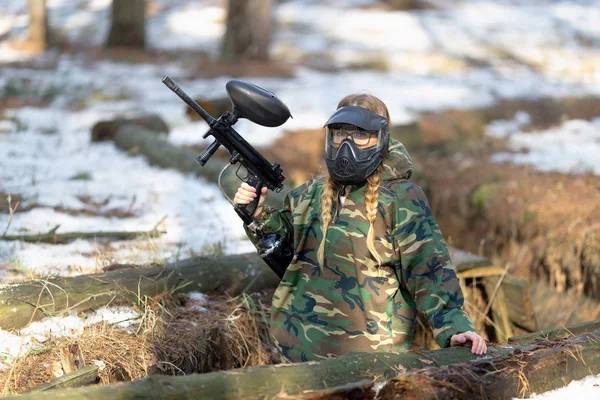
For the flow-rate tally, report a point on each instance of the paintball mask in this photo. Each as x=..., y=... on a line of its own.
x=351, y=153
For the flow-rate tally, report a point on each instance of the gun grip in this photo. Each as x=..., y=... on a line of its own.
x=251, y=207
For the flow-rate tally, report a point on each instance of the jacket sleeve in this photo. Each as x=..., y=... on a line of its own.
x=426, y=267
x=275, y=221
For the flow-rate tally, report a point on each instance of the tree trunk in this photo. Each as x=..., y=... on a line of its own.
x=128, y=24
x=267, y=382
x=38, y=34
x=249, y=26
x=453, y=373
x=403, y=5
x=230, y=274
x=33, y=300
x=521, y=372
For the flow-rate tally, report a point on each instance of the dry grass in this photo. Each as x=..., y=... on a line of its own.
x=232, y=333
x=515, y=215
x=171, y=338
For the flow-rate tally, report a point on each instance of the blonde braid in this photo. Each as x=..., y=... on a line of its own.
x=371, y=194
x=326, y=203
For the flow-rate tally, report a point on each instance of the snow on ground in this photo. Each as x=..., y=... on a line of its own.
x=15, y=345
x=463, y=54
x=571, y=148
x=587, y=388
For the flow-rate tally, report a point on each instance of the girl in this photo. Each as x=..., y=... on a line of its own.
x=368, y=253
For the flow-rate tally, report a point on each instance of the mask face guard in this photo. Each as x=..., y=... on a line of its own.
x=362, y=119
x=349, y=164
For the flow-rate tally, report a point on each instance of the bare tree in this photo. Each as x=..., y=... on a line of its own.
x=404, y=4
x=249, y=29
x=38, y=35
x=128, y=24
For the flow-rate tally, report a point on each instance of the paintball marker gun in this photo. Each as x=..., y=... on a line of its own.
x=264, y=108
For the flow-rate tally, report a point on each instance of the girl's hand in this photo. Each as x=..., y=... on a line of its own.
x=472, y=339
x=246, y=194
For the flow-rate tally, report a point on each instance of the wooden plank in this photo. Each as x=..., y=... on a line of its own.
x=480, y=272
x=463, y=261
x=500, y=314
x=518, y=303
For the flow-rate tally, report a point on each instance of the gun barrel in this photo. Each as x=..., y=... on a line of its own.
x=188, y=100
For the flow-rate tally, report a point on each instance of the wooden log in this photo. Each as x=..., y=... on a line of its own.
x=106, y=130
x=164, y=154
x=554, y=334
x=231, y=274
x=521, y=372
x=276, y=381
x=20, y=302
x=59, y=238
x=84, y=376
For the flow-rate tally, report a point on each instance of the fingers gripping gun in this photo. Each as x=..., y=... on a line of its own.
x=264, y=108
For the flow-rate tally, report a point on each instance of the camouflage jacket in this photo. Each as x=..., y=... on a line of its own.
x=348, y=306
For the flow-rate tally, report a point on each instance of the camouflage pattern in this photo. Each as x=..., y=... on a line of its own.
x=351, y=305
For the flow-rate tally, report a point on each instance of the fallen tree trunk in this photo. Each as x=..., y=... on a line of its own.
x=160, y=152
x=453, y=373
x=524, y=370
x=59, y=238
x=32, y=300
x=106, y=130
x=276, y=381
x=554, y=334
x=231, y=274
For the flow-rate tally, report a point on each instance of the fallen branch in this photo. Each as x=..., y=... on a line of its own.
x=84, y=376
x=58, y=238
